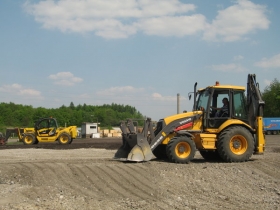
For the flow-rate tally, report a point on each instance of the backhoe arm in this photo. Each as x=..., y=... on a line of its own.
x=255, y=110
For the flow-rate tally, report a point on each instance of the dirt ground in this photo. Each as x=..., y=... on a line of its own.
x=83, y=175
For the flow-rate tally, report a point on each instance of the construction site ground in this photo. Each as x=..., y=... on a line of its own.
x=83, y=175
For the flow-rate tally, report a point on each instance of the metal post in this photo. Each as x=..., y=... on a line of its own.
x=178, y=103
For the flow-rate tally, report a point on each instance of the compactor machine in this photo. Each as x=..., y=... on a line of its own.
x=232, y=136
x=45, y=130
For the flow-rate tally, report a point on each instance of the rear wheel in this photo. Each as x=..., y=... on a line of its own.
x=268, y=132
x=211, y=155
x=160, y=151
x=29, y=139
x=64, y=138
x=235, y=144
x=180, y=149
x=275, y=132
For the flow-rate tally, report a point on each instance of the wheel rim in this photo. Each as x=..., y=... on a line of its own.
x=183, y=150
x=28, y=139
x=63, y=139
x=238, y=144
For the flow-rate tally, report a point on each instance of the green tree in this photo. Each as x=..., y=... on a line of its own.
x=271, y=96
x=17, y=115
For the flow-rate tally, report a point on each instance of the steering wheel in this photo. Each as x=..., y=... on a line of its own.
x=201, y=108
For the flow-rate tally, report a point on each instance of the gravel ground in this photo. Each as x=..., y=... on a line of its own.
x=84, y=176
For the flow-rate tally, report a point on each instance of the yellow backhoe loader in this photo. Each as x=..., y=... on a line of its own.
x=45, y=130
x=232, y=135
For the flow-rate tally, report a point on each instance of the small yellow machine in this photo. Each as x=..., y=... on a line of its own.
x=232, y=135
x=45, y=130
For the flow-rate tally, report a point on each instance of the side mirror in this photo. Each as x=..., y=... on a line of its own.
x=190, y=96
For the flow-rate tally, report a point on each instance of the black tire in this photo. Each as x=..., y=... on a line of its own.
x=160, y=151
x=210, y=155
x=29, y=139
x=180, y=149
x=274, y=132
x=268, y=132
x=235, y=144
x=64, y=138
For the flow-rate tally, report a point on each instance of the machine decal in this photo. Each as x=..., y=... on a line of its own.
x=185, y=121
x=157, y=141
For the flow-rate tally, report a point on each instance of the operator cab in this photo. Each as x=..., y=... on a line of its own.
x=46, y=127
x=212, y=97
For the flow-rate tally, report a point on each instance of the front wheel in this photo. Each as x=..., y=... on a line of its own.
x=235, y=144
x=29, y=139
x=64, y=138
x=180, y=149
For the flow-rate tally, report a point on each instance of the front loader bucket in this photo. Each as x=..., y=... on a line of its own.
x=135, y=148
x=135, y=145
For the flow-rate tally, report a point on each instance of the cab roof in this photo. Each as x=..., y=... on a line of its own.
x=218, y=86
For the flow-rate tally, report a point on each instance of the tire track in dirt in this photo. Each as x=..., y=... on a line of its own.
x=106, y=184
x=39, y=173
x=122, y=185
x=93, y=180
x=129, y=183
x=82, y=180
x=142, y=182
x=65, y=176
x=22, y=173
x=79, y=179
x=268, y=168
x=135, y=173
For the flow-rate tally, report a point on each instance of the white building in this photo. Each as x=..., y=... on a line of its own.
x=90, y=130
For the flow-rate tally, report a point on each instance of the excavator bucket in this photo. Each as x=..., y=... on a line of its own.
x=135, y=146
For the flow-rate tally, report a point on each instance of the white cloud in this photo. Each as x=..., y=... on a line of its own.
x=116, y=91
x=109, y=19
x=273, y=62
x=120, y=19
x=65, y=79
x=19, y=90
x=234, y=22
x=159, y=97
x=267, y=82
x=232, y=67
x=238, y=58
x=172, y=26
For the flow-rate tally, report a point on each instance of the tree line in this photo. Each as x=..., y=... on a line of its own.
x=271, y=96
x=17, y=115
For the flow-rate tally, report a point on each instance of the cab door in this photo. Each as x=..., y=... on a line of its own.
x=46, y=127
x=214, y=120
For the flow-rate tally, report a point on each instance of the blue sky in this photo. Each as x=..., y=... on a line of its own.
x=133, y=52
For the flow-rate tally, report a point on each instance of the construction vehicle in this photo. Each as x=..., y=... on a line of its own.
x=232, y=137
x=45, y=130
x=271, y=125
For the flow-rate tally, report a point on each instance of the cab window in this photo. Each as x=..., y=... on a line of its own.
x=239, y=105
x=203, y=100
